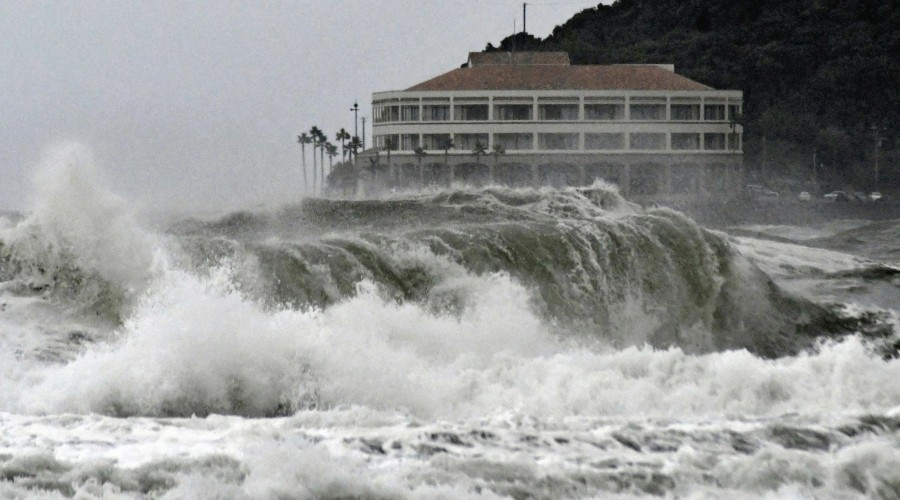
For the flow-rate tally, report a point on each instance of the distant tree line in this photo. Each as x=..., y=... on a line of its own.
x=821, y=78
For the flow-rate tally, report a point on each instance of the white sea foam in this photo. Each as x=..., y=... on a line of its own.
x=197, y=345
x=346, y=454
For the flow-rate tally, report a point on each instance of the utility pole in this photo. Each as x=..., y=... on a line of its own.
x=364, y=133
x=355, y=110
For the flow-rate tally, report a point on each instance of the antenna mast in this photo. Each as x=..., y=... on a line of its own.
x=524, y=29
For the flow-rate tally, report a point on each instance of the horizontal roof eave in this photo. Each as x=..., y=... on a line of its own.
x=548, y=77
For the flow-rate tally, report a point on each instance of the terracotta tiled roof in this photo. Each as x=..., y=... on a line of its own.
x=507, y=58
x=560, y=77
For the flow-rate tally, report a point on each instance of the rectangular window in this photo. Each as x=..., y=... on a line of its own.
x=381, y=141
x=714, y=112
x=604, y=111
x=648, y=111
x=434, y=141
x=648, y=141
x=466, y=142
x=714, y=142
x=558, y=141
x=734, y=111
x=436, y=112
x=409, y=113
x=471, y=112
x=685, y=112
x=378, y=113
x=385, y=114
x=514, y=141
x=682, y=142
x=558, y=111
x=409, y=142
x=604, y=141
x=513, y=112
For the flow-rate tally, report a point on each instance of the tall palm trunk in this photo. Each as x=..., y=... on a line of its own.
x=303, y=155
x=314, y=176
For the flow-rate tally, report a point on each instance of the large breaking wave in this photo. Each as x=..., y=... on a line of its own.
x=455, y=303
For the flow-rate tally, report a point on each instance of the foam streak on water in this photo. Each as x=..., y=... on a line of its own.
x=491, y=343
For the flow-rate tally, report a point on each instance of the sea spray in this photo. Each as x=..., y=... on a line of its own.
x=478, y=343
x=78, y=231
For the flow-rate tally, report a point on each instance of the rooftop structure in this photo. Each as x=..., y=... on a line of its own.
x=642, y=126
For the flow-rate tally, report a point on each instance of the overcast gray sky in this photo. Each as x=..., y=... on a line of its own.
x=198, y=104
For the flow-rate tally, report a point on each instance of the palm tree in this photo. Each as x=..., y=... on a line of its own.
x=354, y=146
x=323, y=140
x=342, y=136
x=304, y=139
x=420, y=155
x=315, y=133
x=389, y=146
x=478, y=150
x=373, y=165
x=331, y=150
x=447, y=145
x=497, y=151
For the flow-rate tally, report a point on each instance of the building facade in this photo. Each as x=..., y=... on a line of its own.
x=643, y=127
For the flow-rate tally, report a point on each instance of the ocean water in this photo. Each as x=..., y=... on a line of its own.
x=467, y=343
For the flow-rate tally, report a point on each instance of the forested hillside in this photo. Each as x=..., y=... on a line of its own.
x=821, y=78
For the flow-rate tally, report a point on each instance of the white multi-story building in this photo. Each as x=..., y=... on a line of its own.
x=644, y=127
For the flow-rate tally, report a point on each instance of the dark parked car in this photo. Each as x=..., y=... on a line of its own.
x=837, y=196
